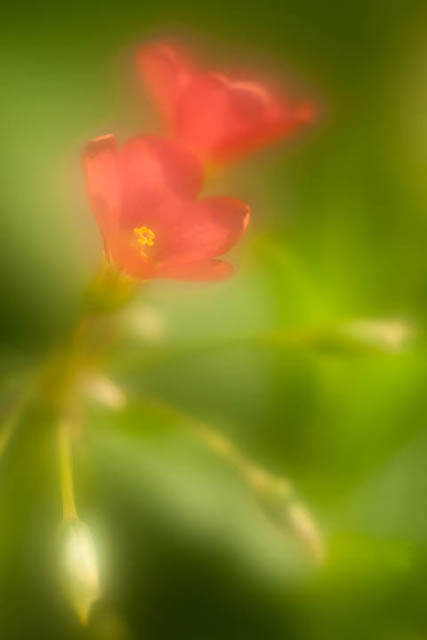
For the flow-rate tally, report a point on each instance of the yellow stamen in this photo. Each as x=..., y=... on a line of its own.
x=144, y=237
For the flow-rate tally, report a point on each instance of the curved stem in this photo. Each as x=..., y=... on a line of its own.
x=275, y=494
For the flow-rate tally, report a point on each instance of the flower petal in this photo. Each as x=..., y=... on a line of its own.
x=220, y=119
x=258, y=117
x=152, y=169
x=204, y=230
x=167, y=71
x=100, y=165
x=203, y=116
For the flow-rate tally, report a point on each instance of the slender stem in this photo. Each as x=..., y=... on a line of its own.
x=255, y=475
x=275, y=494
x=217, y=442
x=69, y=366
x=69, y=511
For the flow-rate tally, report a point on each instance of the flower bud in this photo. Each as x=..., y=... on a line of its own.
x=80, y=568
x=276, y=498
x=105, y=392
x=385, y=335
x=145, y=322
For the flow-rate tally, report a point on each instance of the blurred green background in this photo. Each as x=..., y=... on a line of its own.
x=338, y=233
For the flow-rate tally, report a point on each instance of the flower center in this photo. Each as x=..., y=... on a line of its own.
x=144, y=238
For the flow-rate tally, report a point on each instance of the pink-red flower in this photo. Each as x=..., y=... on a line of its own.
x=215, y=116
x=144, y=198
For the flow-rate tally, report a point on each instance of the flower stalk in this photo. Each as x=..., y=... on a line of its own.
x=275, y=495
x=69, y=511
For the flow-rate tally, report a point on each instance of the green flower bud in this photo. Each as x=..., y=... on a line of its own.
x=80, y=568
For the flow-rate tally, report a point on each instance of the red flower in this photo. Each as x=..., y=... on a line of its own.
x=218, y=118
x=144, y=200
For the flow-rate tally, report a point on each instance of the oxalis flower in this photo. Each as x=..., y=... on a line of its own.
x=219, y=118
x=144, y=200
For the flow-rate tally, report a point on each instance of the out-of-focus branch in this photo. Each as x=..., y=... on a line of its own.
x=371, y=336
x=275, y=495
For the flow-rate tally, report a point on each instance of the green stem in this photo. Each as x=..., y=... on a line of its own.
x=222, y=446
x=69, y=510
x=275, y=494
